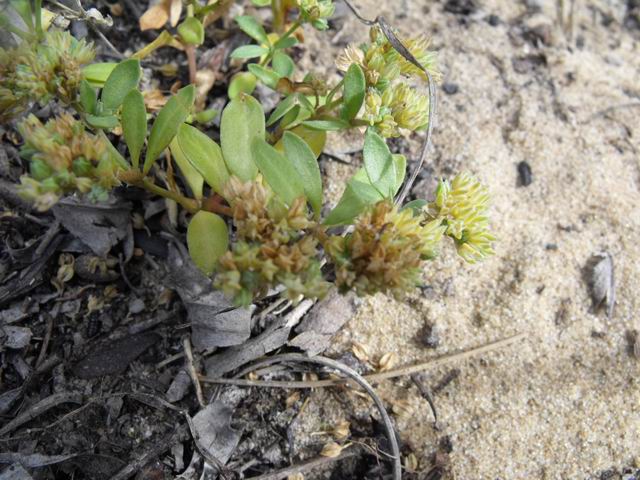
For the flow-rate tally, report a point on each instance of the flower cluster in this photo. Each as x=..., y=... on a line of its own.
x=392, y=105
x=39, y=72
x=275, y=245
x=64, y=158
x=316, y=12
x=385, y=252
x=462, y=206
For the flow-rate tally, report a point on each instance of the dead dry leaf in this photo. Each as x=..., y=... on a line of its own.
x=387, y=362
x=154, y=100
x=175, y=9
x=341, y=430
x=331, y=450
x=360, y=351
x=155, y=17
x=292, y=399
x=603, y=285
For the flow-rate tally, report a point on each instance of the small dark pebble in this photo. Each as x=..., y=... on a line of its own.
x=551, y=246
x=460, y=7
x=597, y=334
x=580, y=42
x=524, y=174
x=493, y=20
x=429, y=336
x=450, y=88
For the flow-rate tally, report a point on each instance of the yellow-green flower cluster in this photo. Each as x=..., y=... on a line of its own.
x=385, y=252
x=275, y=246
x=399, y=107
x=462, y=205
x=39, y=72
x=391, y=104
x=64, y=158
x=316, y=12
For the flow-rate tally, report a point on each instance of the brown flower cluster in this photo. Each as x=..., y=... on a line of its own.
x=39, y=72
x=385, y=252
x=64, y=158
x=275, y=246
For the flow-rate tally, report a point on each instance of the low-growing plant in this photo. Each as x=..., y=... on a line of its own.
x=256, y=199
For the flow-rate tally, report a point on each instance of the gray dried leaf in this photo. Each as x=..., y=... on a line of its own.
x=8, y=398
x=215, y=435
x=215, y=322
x=323, y=321
x=15, y=337
x=99, y=226
x=179, y=387
x=15, y=472
x=115, y=356
x=602, y=282
x=33, y=460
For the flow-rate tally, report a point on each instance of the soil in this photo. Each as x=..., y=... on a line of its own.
x=544, y=111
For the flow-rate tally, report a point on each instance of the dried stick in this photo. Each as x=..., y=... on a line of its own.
x=39, y=408
x=192, y=371
x=303, y=467
x=374, y=377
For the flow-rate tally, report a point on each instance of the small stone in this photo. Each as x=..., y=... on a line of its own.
x=450, y=88
x=136, y=305
x=430, y=336
x=525, y=176
x=493, y=20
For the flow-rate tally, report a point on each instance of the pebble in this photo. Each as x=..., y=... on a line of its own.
x=525, y=176
x=450, y=88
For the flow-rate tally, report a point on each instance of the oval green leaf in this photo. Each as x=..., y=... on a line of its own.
x=283, y=64
x=327, y=125
x=278, y=171
x=379, y=164
x=166, y=125
x=249, y=51
x=207, y=239
x=122, y=79
x=106, y=122
x=356, y=197
x=88, y=97
x=242, y=82
x=204, y=154
x=191, y=31
x=354, y=90
x=242, y=122
x=251, y=27
x=265, y=75
x=97, y=73
x=305, y=163
x=190, y=174
x=134, y=124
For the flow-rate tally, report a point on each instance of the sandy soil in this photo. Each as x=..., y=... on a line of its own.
x=565, y=401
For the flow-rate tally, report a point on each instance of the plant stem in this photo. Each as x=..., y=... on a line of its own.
x=188, y=204
x=191, y=57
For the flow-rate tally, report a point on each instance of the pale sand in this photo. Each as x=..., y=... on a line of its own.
x=565, y=402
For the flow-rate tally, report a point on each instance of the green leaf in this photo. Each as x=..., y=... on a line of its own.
x=283, y=64
x=265, y=75
x=123, y=78
x=207, y=239
x=400, y=162
x=191, y=175
x=134, y=124
x=281, y=110
x=97, y=73
x=285, y=42
x=113, y=152
x=171, y=116
x=379, y=164
x=304, y=161
x=278, y=171
x=249, y=51
x=204, y=154
x=415, y=205
x=242, y=122
x=106, y=122
x=191, y=31
x=23, y=8
x=327, y=125
x=251, y=27
x=354, y=90
x=88, y=97
x=356, y=197
x=242, y=82
x=261, y=3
